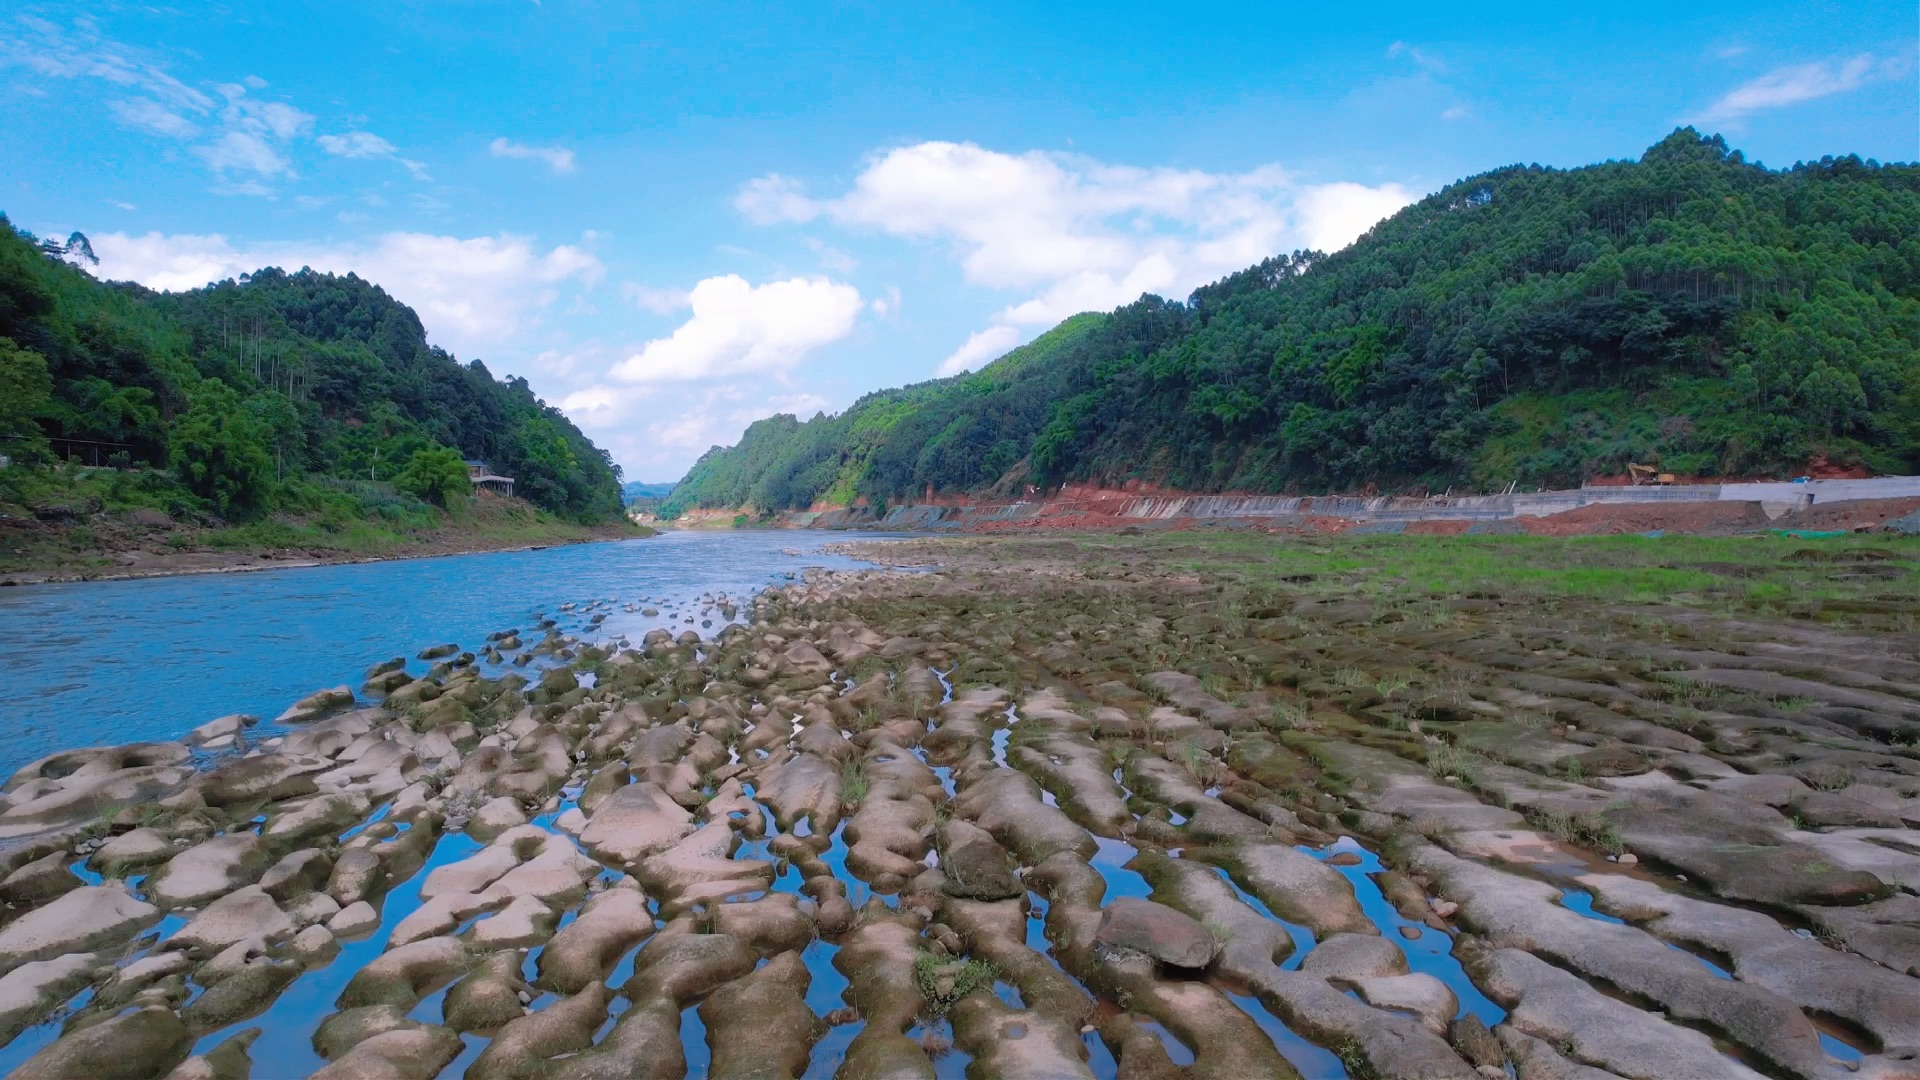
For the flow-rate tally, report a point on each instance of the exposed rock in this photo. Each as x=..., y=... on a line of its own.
x=84, y=919
x=209, y=869
x=1156, y=930
x=140, y=1045
x=244, y=913
x=32, y=990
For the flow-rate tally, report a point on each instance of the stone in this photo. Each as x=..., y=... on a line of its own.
x=1143, y=926
x=137, y=1045
x=246, y=992
x=314, y=945
x=141, y=847
x=300, y=872
x=489, y=996
x=587, y=948
x=975, y=865
x=244, y=913
x=208, y=869
x=316, y=705
x=495, y=817
x=404, y=975
x=221, y=732
x=634, y=822
x=1351, y=957
x=522, y=1047
x=78, y=921
x=523, y=923
x=355, y=919
x=32, y=990
x=418, y=1053
x=342, y=1031
x=40, y=880
x=1420, y=994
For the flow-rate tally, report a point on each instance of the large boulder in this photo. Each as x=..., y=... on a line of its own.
x=208, y=870
x=244, y=913
x=634, y=822
x=316, y=705
x=975, y=865
x=140, y=1045
x=1142, y=926
x=84, y=919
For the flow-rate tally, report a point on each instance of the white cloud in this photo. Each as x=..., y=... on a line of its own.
x=1079, y=234
x=356, y=144
x=1335, y=215
x=1457, y=112
x=49, y=49
x=244, y=151
x=122, y=204
x=737, y=329
x=658, y=301
x=558, y=159
x=148, y=115
x=773, y=198
x=470, y=292
x=832, y=259
x=365, y=144
x=983, y=346
x=1792, y=85
x=1424, y=58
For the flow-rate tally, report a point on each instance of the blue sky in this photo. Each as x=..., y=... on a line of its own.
x=676, y=221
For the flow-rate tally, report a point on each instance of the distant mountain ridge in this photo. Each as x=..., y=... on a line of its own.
x=635, y=490
x=1528, y=325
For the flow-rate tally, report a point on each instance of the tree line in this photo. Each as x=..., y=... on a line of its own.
x=274, y=392
x=1529, y=325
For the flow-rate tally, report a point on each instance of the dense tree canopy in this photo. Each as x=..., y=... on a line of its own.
x=319, y=375
x=1528, y=325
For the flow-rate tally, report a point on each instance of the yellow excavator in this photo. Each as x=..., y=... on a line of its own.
x=1645, y=475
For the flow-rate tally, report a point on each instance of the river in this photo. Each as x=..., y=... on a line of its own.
x=99, y=663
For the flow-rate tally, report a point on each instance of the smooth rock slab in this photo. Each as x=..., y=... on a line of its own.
x=239, y=915
x=84, y=919
x=140, y=1045
x=413, y=1054
x=30, y=991
x=1169, y=936
x=208, y=870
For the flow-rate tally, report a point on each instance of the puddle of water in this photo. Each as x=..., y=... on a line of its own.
x=1000, y=737
x=693, y=1041
x=1111, y=862
x=1431, y=952
x=948, y=1064
x=36, y=1038
x=1580, y=902
x=1313, y=1061
x=825, y=993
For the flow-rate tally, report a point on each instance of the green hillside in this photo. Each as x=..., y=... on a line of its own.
x=303, y=396
x=1529, y=324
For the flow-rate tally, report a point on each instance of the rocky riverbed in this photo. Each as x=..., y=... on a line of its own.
x=1141, y=807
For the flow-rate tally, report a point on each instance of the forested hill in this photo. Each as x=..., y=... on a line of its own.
x=279, y=392
x=1527, y=325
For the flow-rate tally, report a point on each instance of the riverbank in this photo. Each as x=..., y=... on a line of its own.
x=101, y=546
x=1077, y=806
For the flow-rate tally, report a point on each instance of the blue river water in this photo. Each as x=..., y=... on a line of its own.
x=99, y=663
